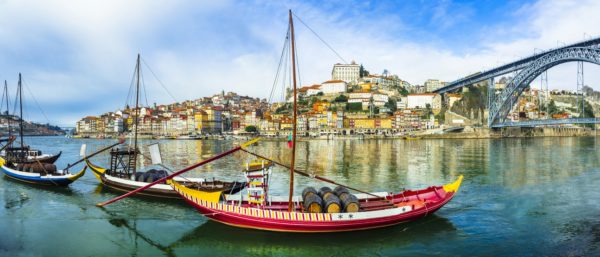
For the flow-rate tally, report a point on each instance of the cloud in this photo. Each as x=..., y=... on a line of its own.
x=78, y=57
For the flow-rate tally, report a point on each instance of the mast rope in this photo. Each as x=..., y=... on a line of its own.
x=35, y=101
x=159, y=81
x=279, y=69
x=4, y=94
x=130, y=88
x=143, y=83
x=320, y=38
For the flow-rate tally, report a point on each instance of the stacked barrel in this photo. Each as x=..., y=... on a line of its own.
x=329, y=201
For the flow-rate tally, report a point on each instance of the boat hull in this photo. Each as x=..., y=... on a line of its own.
x=39, y=179
x=280, y=220
x=125, y=185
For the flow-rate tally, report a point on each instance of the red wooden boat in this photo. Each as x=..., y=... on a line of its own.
x=313, y=212
x=389, y=210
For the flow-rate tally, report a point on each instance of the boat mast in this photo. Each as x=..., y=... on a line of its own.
x=21, y=113
x=7, y=108
x=293, y=43
x=137, y=114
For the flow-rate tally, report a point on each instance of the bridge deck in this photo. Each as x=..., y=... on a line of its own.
x=534, y=123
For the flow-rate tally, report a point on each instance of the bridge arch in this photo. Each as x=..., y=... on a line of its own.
x=501, y=104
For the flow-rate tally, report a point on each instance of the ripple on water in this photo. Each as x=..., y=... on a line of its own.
x=515, y=192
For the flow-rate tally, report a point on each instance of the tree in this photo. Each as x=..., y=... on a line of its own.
x=354, y=107
x=403, y=91
x=552, y=109
x=588, y=111
x=251, y=129
x=441, y=117
x=427, y=112
x=391, y=104
x=363, y=72
x=341, y=99
x=283, y=109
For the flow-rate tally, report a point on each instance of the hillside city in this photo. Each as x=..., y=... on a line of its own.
x=352, y=102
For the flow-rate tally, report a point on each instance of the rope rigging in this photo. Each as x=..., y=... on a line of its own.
x=282, y=58
x=35, y=101
x=320, y=38
x=159, y=81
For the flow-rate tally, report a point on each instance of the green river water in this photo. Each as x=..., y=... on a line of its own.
x=520, y=197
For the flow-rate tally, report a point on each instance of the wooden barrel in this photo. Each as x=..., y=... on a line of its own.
x=139, y=176
x=340, y=190
x=332, y=203
x=50, y=168
x=149, y=177
x=308, y=191
x=324, y=191
x=350, y=203
x=313, y=203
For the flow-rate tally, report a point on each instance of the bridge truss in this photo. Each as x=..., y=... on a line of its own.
x=527, y=69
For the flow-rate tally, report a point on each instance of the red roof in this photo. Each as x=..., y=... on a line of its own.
x=333, y=81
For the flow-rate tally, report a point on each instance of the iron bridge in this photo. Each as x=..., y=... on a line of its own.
x=527, y=69
x=536, y=123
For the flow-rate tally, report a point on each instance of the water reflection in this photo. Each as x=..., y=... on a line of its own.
x=515, y=191
x=225, y=240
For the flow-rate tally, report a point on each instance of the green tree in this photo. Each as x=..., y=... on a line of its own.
x=391, y=104
x=427, y=112
x=341, y=99
x=403, y=91
x=251, y=129
x=441, y=117
x=283, y=109
x=354, y=107
x=551, y=107
x=588, y=111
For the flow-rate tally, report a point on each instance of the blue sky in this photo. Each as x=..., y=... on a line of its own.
x=77, y=57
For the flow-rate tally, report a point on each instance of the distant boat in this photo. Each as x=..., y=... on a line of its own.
x=412, y=137
x=188, y=137
x=24, y=153
x=454, y=130
x=39, y=173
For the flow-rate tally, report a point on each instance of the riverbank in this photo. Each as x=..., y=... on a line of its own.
x=467, y=133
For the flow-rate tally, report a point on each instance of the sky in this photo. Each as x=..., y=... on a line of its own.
x=77, y=57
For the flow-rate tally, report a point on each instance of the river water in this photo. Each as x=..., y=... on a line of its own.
x=520, y=197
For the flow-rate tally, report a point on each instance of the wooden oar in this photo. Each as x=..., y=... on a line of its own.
x=214, y=158
x=9, y=140
x=94, y=154
x=311, y=175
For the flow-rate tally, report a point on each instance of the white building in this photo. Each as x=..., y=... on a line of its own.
x=346, y=72
x=313, y=90
x=334, y=87
x=380, y=99
x=419, y=101
x=360, y=97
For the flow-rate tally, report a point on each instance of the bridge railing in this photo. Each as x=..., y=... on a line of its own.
x=534, y=123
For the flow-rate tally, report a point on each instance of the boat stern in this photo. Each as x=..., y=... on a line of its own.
x=78, y=175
